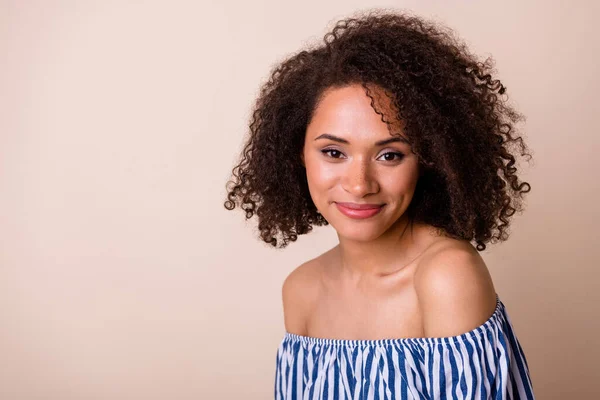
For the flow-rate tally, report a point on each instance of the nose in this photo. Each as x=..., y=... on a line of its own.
x=359, y=180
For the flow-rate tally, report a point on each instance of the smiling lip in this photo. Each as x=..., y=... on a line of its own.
x=359, y=211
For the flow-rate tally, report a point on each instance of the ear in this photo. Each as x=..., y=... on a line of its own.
x=302, y=158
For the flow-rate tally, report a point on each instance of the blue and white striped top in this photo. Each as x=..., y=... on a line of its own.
x=485, y=363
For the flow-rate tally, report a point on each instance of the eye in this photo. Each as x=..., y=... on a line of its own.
x=389, y=156
x=333, y=153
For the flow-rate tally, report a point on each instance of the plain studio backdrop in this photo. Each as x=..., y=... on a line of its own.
x=122, y=276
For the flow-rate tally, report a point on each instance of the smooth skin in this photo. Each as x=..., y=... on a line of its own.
x=383, y=280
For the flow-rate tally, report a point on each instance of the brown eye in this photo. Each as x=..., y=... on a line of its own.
x=393, y=156
x=333, y=153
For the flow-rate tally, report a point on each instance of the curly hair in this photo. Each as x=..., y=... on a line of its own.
x=455, y=115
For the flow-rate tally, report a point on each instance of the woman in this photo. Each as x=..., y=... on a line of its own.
x=398, y=137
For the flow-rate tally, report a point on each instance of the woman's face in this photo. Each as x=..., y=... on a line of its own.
x=352, y=161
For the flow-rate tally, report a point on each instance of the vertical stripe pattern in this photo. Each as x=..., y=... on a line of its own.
x=485, y=363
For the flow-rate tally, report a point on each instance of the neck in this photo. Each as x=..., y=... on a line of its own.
x=387, y=254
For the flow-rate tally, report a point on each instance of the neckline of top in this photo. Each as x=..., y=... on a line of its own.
x=403, y=341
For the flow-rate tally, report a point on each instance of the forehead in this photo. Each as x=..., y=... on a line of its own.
x=348, y=111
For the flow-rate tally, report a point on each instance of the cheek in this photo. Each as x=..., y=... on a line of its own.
x=403, y=181
x=321, y=175
x=321, y=179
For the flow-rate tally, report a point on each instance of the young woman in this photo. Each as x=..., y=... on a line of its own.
x=396, y=136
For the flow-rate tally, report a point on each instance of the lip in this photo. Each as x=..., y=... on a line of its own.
x=359, y=211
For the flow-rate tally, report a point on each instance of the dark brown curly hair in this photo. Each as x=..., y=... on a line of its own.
x=456, y=117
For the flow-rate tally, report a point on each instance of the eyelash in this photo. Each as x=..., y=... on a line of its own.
x=399, y=155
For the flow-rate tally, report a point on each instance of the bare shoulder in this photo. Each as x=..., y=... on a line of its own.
x=454, y=289
x=299, y=293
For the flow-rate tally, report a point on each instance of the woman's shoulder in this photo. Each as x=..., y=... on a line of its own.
x=454, y=288
x=308, y=273
x=449, y=256
x=300, y=290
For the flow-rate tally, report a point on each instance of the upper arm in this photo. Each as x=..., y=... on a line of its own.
x=296, y=294
x=455, y=291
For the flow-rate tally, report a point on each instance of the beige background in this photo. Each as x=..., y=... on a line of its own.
x=122, y=276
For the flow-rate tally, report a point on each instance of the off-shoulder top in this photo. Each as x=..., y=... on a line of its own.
x=487, y=362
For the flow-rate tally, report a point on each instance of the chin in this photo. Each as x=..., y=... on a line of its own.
x=362, y=237
x=359, y=232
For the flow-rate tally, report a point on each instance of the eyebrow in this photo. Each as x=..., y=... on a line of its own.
x=379, y=143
